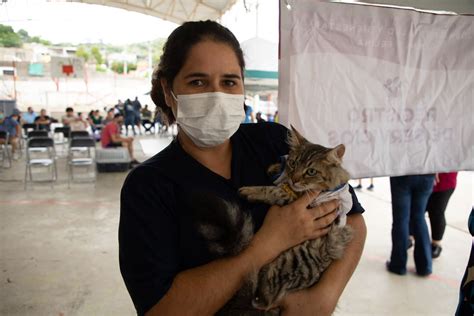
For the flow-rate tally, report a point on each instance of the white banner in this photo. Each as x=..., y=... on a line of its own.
x=394, y=86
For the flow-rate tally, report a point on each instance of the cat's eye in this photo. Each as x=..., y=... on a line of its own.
x=291, y=163
x=311, y=172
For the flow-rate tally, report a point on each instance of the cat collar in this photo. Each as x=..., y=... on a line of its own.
x=276, y=176
x=288, y=190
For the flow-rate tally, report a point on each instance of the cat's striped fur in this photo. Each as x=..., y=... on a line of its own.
x=299, y=267
x=308, y=167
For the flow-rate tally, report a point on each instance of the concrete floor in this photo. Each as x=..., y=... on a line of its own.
x=58, y=250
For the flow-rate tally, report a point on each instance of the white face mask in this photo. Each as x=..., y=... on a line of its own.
x=210, y=118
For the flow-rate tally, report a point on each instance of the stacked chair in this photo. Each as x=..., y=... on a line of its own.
x=4, y=150
x=28, y=127
x=37, y=134
x=81, y=155
x=40, y=154
x=61, y=136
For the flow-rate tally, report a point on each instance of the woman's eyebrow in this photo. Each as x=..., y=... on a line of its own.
x=231, y=76
x=201, y=75
x=195, y=74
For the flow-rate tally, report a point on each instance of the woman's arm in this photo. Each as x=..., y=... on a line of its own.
x=205, y=289
x=321, y=299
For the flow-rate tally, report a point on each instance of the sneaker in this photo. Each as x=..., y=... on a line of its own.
x=370, y=187
x=435, y=251
x=358, y=187
x=424, y=273
x=389, y=269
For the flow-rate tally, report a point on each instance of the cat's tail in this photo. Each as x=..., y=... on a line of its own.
x=225, y=227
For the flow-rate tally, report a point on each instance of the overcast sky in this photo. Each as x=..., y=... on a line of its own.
x=82, y=23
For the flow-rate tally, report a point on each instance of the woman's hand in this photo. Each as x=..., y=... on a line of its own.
x=292, y=224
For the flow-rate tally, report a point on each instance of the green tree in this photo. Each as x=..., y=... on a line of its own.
x=82, y=52
x=37, y=39
x=8, y=37
x=118, y=67
x=157, y=48
x=25, y=37
x=95, y=52
x=45, y=42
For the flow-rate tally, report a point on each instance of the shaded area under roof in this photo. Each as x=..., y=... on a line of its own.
x=171, y=10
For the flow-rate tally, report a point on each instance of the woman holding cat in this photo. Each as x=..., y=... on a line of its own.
x=165, y=265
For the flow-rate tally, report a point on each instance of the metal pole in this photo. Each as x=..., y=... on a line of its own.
x=256, y=19
x=150, y=60
x=14, y=80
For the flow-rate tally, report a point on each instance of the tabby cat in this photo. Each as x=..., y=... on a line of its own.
x=308, y=167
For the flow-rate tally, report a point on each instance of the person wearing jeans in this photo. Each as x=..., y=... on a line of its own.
x=409, y=198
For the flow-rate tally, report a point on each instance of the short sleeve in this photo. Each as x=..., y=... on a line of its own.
x=356, y=207
x=278, y=135
x=148, y=237
x=114, y=129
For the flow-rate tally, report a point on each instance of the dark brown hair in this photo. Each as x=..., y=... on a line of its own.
x=176, y=50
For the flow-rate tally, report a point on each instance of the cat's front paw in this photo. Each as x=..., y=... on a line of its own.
x=251, y=193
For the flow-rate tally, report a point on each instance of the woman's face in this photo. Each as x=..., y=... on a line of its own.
x=210, y=67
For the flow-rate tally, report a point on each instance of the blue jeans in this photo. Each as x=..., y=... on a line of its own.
x=409, y=198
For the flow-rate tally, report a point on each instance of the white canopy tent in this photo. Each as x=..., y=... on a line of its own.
x=171, y=10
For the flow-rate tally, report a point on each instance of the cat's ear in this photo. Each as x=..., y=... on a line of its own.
x=295, y=139
x=335, y=155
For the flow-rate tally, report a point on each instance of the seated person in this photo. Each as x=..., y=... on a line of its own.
x=160, y=119
x=111, y=137
x=43, y=121
x=69, y=117
x=146, y=119
x=78, y=123
x=96, y=118
x=146, y=113
x=109, y=118
x=29, y=116
x=12, y=127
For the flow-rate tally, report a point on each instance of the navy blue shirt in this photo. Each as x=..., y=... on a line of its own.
x=157, y=238
x=9, y=125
